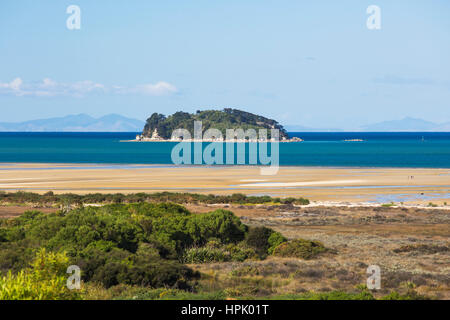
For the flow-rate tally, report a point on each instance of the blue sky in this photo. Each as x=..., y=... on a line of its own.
x=309, y=63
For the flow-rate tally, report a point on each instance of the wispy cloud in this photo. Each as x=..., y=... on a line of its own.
x=161, y=88
x=13, y=86
x=398, y=80
x=50, y=88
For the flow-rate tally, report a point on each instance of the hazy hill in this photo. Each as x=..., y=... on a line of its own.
x=218, y=119
x=295, y=128
x=444, y=127
x=406, y=124
x=77, y=123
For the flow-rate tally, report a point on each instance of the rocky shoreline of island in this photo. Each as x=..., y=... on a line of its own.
x=142, y=138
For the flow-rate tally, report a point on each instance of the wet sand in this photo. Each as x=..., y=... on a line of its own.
x=321, y=184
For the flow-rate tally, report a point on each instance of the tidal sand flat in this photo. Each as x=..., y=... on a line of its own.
x=319, y=184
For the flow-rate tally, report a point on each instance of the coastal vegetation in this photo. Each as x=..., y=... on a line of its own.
x=299, y=248
x=155, y=251
x=50, y=198
x=161, y=126
x=145, y=245
x=44, y=279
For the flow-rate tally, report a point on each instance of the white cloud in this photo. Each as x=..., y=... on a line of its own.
x=49, y=88
x=13, y=86
x=48, y=83
x=159, y=89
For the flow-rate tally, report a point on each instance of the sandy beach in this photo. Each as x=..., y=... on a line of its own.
x=319, y=184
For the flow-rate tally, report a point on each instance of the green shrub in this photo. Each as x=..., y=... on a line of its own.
x=388, y=205
x=288, y=200
x=263, y=240
x=208, y=254
x=299, y=248
x=275, y=239
x=151, y=265
x=205, y=255
x=125, y=226
x=332, y=295
x=219, y=224
x=138, y=244
x=302, y=201
x=142, y=269
x=180, y=231
x=241, y=252
x=69, y=199
x=45, y=280
x=15, y=256
x=258, y=239
x=2, y=234
x=410, y=295
x=159, y=273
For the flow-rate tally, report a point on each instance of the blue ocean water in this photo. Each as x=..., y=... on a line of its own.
x=426, y=150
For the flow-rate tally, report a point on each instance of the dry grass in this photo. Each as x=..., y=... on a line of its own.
x=410, y=246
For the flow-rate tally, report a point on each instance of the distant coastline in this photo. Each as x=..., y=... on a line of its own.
x=118, y=123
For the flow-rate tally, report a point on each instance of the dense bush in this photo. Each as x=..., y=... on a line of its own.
x=275, y=239
x=15, y=256
x=205, y=255
x=264, y=240
x=214, y=252
x=136, y=251
x=44, y=280
x=241, y=252
x=2, y=234
x=70, y=199
x=140, y=245
x=136, y=244
x=299, y=248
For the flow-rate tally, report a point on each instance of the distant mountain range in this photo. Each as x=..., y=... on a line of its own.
x=309, y=129
x=118, y=123
x=407, y=124
x=77, y=123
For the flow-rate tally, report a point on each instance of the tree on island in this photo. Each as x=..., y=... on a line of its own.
x=226, y=119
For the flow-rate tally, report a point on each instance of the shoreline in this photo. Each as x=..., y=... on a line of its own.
x=213, y=166
x=353, y=185
x=223, y=141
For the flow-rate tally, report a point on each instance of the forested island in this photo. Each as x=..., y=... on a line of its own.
x=160, y=127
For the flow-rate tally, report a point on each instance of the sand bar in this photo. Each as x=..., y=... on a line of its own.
x=376, y=185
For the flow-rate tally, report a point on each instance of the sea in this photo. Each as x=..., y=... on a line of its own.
x=325, y=149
